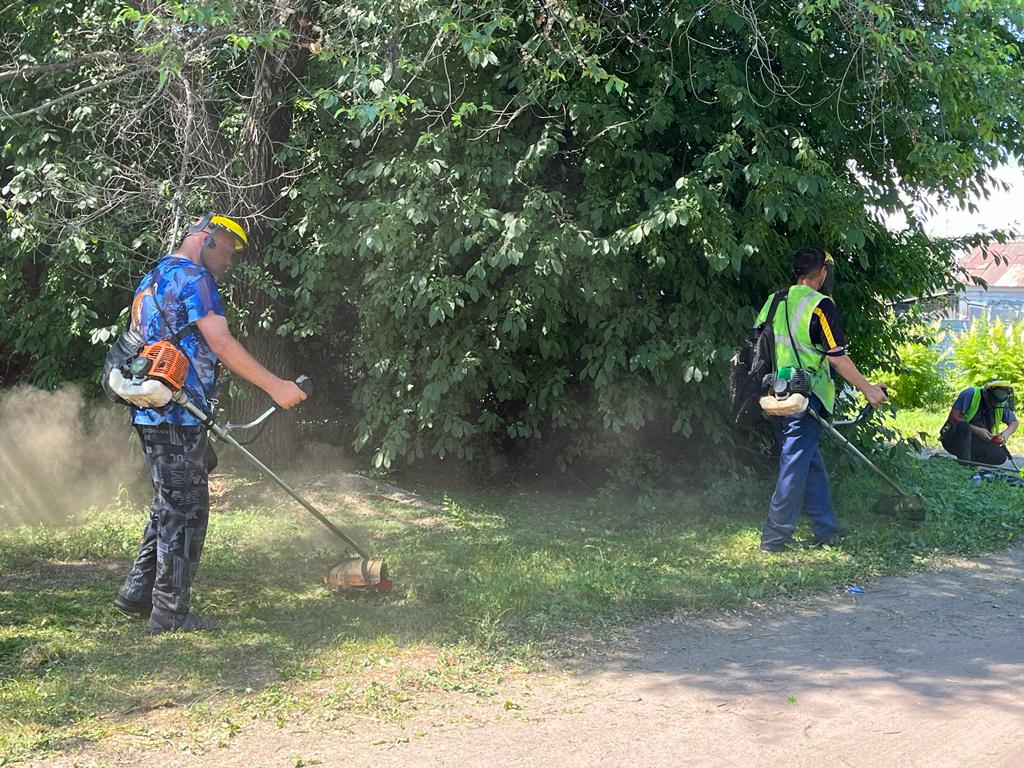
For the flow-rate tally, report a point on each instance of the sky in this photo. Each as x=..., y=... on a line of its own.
x=1001, y=210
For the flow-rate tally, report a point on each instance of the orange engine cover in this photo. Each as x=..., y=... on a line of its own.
x=168, y=364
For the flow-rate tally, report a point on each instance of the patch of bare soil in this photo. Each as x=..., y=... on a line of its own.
x=164, y=735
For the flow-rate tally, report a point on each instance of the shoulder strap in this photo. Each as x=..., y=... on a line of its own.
x=176, y=338
x=776, y=299
x=183, y=333
x=789, y=330
x=769, y=324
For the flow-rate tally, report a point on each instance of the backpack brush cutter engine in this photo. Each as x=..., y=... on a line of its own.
x=162, y=362
x=155, y=376
x=143, y=375
x=786, y=392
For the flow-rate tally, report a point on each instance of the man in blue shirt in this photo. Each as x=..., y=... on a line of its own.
x=974, y=429
x=181, y=291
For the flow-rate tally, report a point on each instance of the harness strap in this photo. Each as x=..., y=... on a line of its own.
x=770, y=323
x=177, y=338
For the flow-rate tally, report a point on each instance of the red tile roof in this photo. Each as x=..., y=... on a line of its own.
x=1001, y=265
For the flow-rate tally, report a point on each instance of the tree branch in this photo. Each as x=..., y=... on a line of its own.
x=41, y=70
x=70, y=95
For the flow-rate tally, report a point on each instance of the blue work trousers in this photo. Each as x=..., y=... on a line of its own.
x=802, y=481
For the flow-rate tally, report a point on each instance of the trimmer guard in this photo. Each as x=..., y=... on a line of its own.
x=359, y=574
x=910, y=507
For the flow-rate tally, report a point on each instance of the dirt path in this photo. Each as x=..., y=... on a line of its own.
x=920, y=671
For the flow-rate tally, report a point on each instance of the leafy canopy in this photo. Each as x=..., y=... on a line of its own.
x=503, y=222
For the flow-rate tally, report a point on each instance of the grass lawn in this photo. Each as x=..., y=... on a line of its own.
x=922, y=424
x=486, y=582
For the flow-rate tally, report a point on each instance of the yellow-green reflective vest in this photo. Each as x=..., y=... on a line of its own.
x=972, y=410
x=800, y=303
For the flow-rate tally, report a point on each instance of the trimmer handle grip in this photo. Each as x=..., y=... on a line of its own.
x=302, y=382
x=864, y=414
x=869, y=409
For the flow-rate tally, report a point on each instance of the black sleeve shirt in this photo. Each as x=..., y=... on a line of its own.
x=826, y=330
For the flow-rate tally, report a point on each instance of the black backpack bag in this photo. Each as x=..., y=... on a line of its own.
x=749, y=366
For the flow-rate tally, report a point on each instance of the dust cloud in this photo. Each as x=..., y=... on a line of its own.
x=60, y=456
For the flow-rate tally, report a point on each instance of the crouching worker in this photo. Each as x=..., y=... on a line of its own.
x=178, y=301
x=808, y=337
x=974, y=429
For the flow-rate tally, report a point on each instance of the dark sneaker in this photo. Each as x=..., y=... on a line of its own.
x=785, y=546
x=191, y=623
x=135, y=607
x=832, y=541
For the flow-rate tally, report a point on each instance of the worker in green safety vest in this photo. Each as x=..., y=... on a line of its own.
x=808, y=336
x=980, y=422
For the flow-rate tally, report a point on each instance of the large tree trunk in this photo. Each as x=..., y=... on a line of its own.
x=268, y=126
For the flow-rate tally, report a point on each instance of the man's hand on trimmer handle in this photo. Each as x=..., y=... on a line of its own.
x=876, y=394
x=287, y=394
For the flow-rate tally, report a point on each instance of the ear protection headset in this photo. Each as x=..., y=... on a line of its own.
x=212, y=222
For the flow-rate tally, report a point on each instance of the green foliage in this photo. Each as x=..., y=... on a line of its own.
x=990, y=351
x=509, y=226
x=82, y=183
x=920, y=381
x=578, y=246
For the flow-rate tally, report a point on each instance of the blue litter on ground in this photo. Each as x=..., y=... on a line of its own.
x=853, y=589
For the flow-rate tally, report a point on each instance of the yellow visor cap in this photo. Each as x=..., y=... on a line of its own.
x=231, y=226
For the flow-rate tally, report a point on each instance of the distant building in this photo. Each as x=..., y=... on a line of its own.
x=1001, y=266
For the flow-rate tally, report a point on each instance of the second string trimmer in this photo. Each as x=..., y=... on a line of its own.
x=910, y=505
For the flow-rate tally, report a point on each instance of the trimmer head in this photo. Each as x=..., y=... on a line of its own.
x=908, y=506
x=359, y=574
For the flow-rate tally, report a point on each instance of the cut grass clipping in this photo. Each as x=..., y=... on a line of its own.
x=486, y=580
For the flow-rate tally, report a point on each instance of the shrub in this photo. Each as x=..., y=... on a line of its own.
x=989, y=351
x=920, y=381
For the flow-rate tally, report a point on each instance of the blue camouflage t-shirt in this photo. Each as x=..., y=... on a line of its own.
x=185, y=292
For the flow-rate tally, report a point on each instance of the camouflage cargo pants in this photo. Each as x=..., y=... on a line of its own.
x=179, y=460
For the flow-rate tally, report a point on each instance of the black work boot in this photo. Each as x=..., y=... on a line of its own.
x=140, y=608
x=191, y=623
x=834, y=540
x=782, y=546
